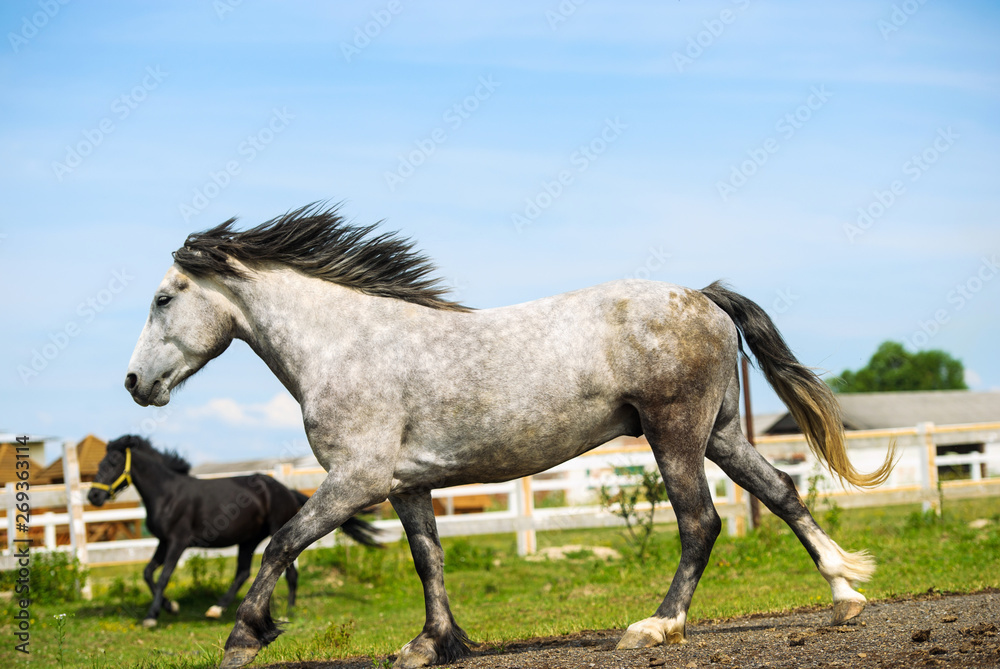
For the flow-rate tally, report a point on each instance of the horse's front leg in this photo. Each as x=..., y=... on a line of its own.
x=147, y=574
x=333, y=502
x=170, y=557
x=441, y=640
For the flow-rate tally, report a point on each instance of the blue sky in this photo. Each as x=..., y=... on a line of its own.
x=836, y=163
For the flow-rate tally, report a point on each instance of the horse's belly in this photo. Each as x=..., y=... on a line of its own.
x=504, y=453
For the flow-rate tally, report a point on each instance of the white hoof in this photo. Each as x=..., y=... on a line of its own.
x=653, y=632
x=149, y=623
x=172, y=606
x=214, y=612
x=414, y=655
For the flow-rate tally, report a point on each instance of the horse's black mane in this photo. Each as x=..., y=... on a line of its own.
x=170, y=458
x=314, y=239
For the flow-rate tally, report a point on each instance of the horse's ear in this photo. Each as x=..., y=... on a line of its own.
x=127, y=441
x=135, y=441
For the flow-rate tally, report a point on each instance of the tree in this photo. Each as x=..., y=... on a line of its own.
x=892, y=367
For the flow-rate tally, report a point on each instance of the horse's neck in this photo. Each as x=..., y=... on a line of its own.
x=296, y=323
x=150, y=476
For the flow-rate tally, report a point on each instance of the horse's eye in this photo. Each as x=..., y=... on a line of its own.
x=163, y=300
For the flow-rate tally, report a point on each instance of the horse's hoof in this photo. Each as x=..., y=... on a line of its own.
x=846, y=609
x=238, y=657
x=214, y=612
x=173, y=607
x=149, y=623
x=652, y=632
x=414, y=655
x=637, y=639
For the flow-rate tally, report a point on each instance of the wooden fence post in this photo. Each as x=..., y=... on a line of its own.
x=9, y=501
x=736, y=525
x=753, y=504
x=74, y=499
x=929, y=473
x=525, y=500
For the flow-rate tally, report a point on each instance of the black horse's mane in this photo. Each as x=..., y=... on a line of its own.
x=315, y=240
x=170, y=458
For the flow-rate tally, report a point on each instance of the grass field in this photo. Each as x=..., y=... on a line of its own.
x=356, y=601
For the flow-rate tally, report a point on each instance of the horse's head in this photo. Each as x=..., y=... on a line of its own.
x=114, y=473
x=190, y=322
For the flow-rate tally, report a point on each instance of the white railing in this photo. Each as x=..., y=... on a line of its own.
x=914, y=480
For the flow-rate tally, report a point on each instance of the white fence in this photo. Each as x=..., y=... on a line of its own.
x=914, y=480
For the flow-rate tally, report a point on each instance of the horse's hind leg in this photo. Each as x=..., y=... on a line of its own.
x=685, y=430
x=746, y=467
x=441, y=640
x=243, y=560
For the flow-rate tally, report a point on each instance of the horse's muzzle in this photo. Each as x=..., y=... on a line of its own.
x=134, y=387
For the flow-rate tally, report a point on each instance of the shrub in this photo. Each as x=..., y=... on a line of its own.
x=56, y=576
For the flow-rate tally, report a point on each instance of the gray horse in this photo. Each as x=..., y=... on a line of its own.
x=403, y=391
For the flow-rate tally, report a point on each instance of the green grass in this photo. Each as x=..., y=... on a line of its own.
x=357, y=601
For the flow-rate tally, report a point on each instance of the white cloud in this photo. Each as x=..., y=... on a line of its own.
x=281, y=411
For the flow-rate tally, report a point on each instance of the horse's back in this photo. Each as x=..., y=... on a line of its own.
x=615, y=340
x=279, y=502
x=516, y=390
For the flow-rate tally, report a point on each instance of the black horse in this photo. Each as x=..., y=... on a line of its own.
x=186, y=512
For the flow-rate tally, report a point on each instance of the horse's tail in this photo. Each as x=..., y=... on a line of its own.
x=362, y=532
x=355, y=528
x=811, y=403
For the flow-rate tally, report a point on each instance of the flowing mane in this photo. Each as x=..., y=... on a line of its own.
x=315, y=240
x=170, y=459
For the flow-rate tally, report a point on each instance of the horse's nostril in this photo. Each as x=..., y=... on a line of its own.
x=131, y=381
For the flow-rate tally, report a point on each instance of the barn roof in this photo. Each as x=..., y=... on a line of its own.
x=870, y=411
x=258, y=465
x=90, y=451
x=8, y=469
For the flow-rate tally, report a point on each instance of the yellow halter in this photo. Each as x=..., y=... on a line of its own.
x=122, y=482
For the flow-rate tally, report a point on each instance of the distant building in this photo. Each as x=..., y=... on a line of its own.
x=89, y=452
x=8, y=456
x=873, y=411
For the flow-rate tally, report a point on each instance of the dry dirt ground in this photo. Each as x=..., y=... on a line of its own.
x=931, y=630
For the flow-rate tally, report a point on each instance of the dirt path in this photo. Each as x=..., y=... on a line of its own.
x=964, y=631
